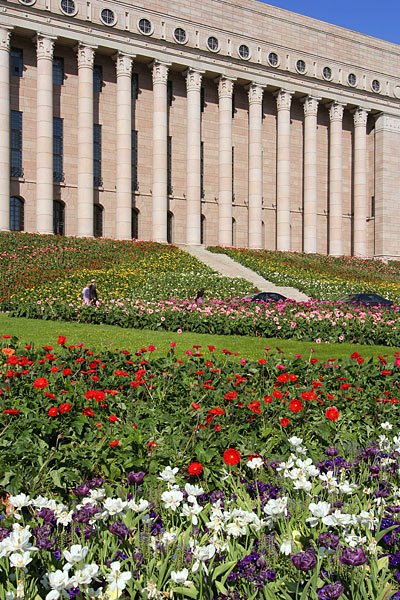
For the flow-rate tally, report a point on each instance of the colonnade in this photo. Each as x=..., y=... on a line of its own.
x=124, y=62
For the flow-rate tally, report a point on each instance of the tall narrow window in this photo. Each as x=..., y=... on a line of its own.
x=58, y=146
x=170, y=227
x=97, y=78
x=170, y=189
x=233, y=105
x=135, y=224
x=202, y=99
x=98, y=220
x=373, y=206
x=97, y=179
x=58, y=70
x=135, y=86
x=16, y=62
x=16, y=144
x=233, y=173
x=202, y=193
x=202, y=229
x=58, y=217
x=170, y=92
x=135, y=182
x=16, y=214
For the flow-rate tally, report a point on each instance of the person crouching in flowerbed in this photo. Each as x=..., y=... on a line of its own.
x=93, y=298
x=86, y=295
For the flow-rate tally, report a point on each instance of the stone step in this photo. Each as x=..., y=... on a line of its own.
x=223, y=264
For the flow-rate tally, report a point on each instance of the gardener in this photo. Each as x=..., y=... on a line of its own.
x=85, y=295
x=199, y=297
x=93, y=293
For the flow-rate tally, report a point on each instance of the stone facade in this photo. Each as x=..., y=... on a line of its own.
x=255, y=126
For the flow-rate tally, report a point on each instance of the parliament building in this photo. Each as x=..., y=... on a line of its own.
x=226, y=122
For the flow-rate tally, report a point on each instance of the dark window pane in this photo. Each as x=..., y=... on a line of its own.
x=170, y=190
x=135, y=182
x=170, y=93
x=97, y=179
x=97, y=220
x=58, y=70
x=16, y=144
x=58, y=218
x=97, y=78
x=58, y=144
x=16, y=62
x=135, y=86
x=16, y=214
x=202, y=170
x=135, y=224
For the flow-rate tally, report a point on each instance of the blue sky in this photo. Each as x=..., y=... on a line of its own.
x=380, y=18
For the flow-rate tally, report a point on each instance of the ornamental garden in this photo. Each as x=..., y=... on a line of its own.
x=203, y=475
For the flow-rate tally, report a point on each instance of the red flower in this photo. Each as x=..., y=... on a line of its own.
x=295, y=406
x=114, y=443
x=195, y=406
x=284, y=422
x=40, y=383
x=332, y=413
x=97, y=395
x=255, y=407
x=11, y=411
x=195, y=468
x=231, y=456
x=61, y=340
x=268, y=399
x=283, y=378
x=216, y=411
x=65, y=407
x=113, y=418
x=230, y=396
x=67, y=372
x=88, y=412
x=53, y=411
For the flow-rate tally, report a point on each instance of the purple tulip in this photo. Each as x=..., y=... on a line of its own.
x=136, y=478
x=353, y=557
x=332, y=591
x=329, y=540
x=304, y=561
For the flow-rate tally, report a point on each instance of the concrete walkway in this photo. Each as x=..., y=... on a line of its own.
x=225, y=265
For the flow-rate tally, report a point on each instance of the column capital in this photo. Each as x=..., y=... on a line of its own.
x=283, y=99
x=255, y=92
x=160, y=71
x=124, y=64
x=336, y=110
x=85, y=55
x=225, y=86
x=310, y=104
x=5, y=38
x=360, y=116
x=44, y=46
x=193, y=79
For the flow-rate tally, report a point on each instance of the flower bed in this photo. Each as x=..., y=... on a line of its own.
x=319, y=276
x=311, y=321
x=274, y=479
x=34, y=267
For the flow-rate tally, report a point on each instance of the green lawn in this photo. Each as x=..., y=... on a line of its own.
x=102, y=337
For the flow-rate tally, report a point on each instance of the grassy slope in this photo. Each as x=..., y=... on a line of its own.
x=108, y=337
